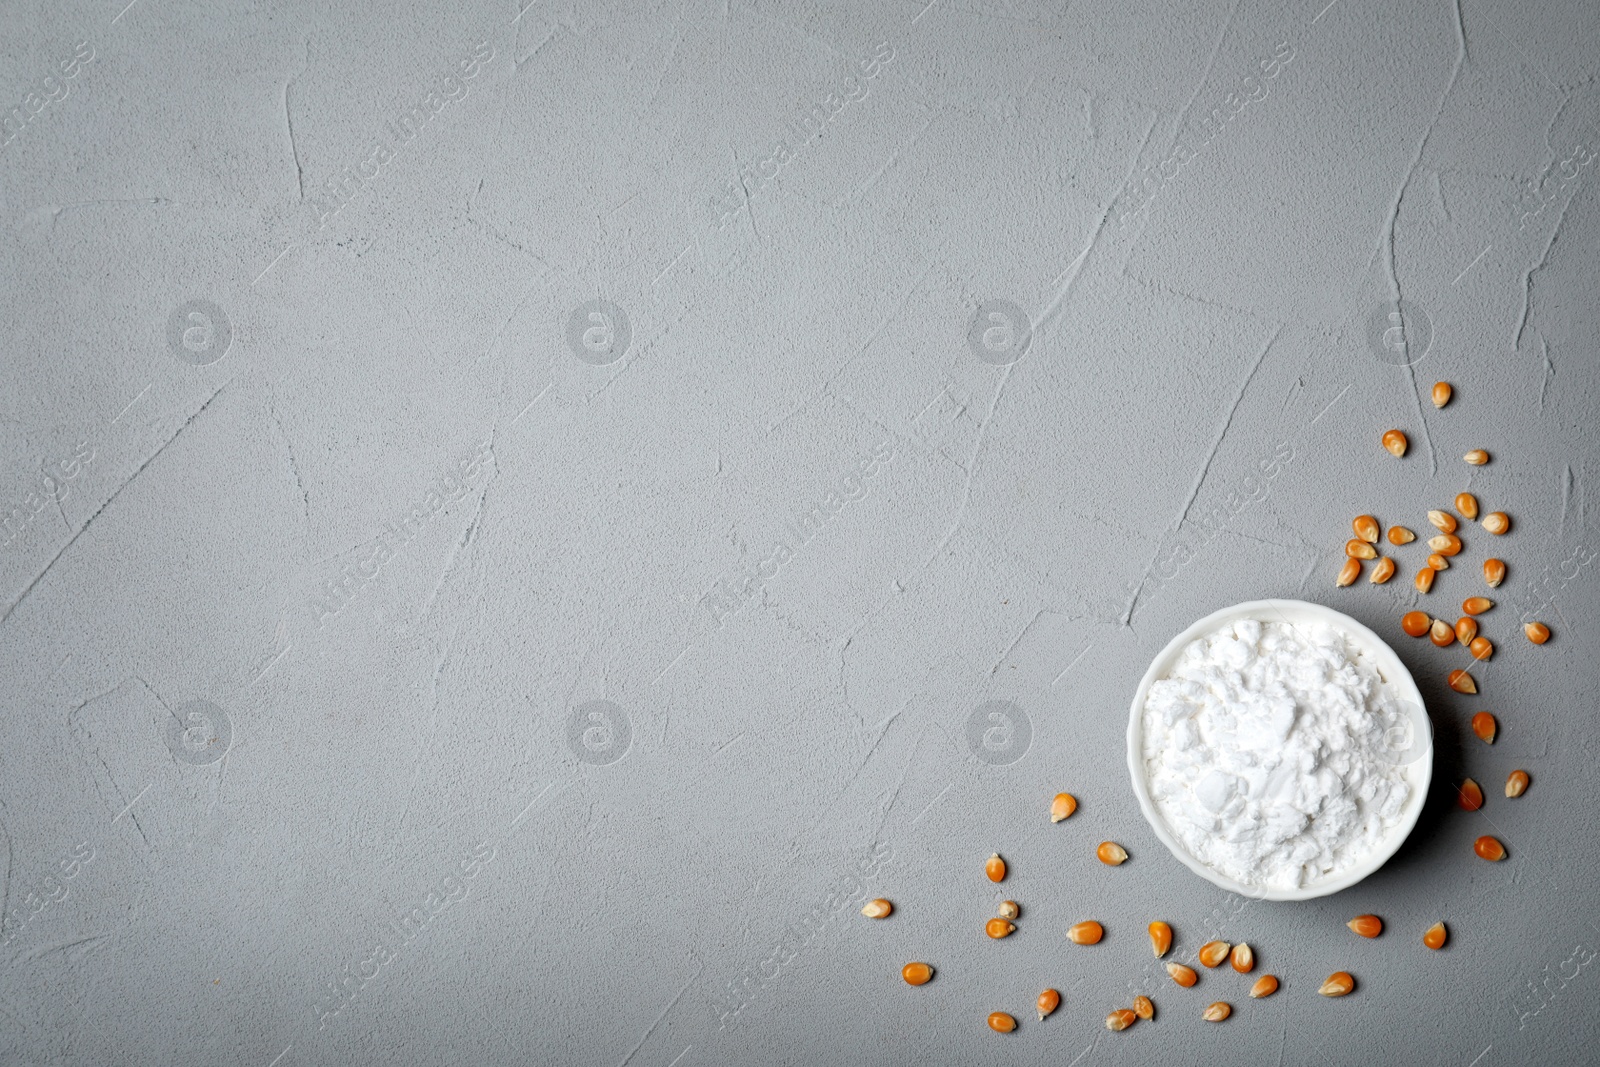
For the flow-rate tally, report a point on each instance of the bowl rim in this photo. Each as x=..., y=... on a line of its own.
x=1395, y=674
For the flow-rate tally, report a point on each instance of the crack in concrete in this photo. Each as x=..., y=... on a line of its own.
x=1527, y=277
x=81, y=733
x=288, y=122
x=463, y=541
x=294, y=467
x=1216, y=49
x=1194, y=490
x=433, y=728
x=1549, y=372
x=970, y=469
x=1394, y=215
x=109, y=501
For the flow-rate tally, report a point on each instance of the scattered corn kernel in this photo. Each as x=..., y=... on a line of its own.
x=1445, y=544
x=1484, y=726
x=1184, y=976
x=1008, y=909
x=1481, y=648
x=1424, y=579
x=877, y=909
x=1415, y=623
x=1144, y=1007
x=1489, y=848
x=1063, y=806
x=1242, y=958
x=1466, y=629
x=1048, y=1002
x=1462, y=682
x=1212, y=953
x=995, y=867
x=1348, y=573
x=1085, y=933
x=1160, y=938
x=1443, y=520
x=1441, y=394
x=1356, y=548
x=1338, y=984
x=1441, y=634
x=1477, y=457
x=1399, y=535
x=998, y=928
x=1497, y=522
x=1366, y=925
x=1467, y=504
x=1395, y=442
x=1438, y=562
x=1383, y=571
x=1434, y=936
x=1537, y=632
x=1366, y=528
x=1469, y=796
x=916, y=973
x=1001, y=1023
x=1111, y=854
x=1265, y=986
x=1516, y=783
x=1120, y=1019
x=1476, y=605
x=1217, y=1012
x=1494, y=572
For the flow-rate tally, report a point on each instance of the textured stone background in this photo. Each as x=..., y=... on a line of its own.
x=400, y=661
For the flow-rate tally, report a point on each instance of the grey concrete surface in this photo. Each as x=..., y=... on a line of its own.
x=517, y=522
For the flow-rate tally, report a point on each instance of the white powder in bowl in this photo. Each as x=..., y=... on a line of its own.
x=1269, y=751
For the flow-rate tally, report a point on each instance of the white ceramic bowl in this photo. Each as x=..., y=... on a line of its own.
x=1417, y=761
